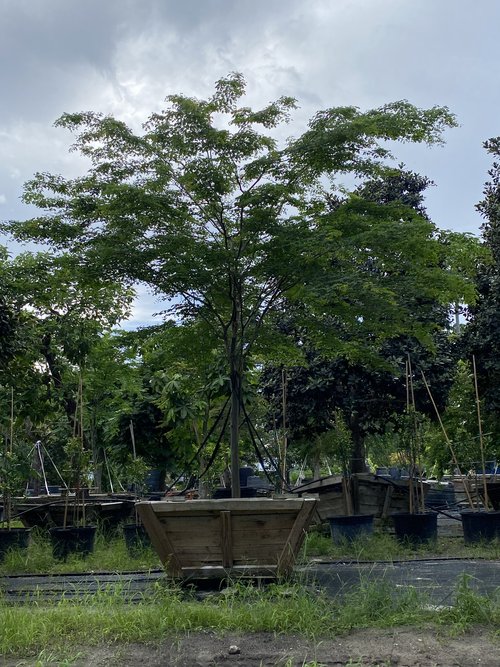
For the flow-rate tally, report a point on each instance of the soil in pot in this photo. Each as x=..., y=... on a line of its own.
x=349, y=528
x=415, y=528
x=480, y=526
x=13, y=538
x=72, y=540
x=136, y=539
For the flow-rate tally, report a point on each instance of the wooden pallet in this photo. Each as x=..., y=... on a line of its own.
x=227, y=538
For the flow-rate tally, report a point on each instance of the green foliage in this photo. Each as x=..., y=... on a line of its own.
x=134, y=472
x=460, y=421
x=15, y=468
x=77, y=463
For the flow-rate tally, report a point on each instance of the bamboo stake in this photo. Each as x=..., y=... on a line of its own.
x=134, y=454
x=283, y=454
x=132, y=435
x=8, y=449
x=418, y=452
x=82, y=446
x=481, y=443
x=11, y=418
x=448, y=442
x=410, y=480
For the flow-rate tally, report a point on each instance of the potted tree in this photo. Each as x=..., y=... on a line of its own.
x=14, y=472
x=74, y=536
x=350, y=525
x=135, y=472
x=480, y=522
x=416, y=526
x=252, y=220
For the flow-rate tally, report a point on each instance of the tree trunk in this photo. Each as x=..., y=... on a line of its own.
x=316, y=466
x=235, y=432
x=358, y=448
x=56, y=375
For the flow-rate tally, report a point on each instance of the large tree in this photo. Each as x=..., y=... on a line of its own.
x=221, y=221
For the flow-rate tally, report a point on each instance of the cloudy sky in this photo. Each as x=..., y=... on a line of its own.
x=124, y=56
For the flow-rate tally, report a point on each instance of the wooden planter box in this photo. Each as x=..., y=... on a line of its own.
x=369, y=495
x=225, y=538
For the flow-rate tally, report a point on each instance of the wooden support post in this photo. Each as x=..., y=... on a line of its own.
x=297, y=534
x=226, y=539
x=387, y=501
x=355, y=494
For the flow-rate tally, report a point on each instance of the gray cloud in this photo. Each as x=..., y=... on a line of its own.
x=124, y=57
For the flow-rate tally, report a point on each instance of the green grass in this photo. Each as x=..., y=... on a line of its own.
x=109, y=555
x=64, y=627
x=383, y=546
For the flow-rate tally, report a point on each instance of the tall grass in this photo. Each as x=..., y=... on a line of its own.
x=110, y=555
x=279, y=608
x=385, y=547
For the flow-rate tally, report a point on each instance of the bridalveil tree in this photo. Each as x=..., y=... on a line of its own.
x=224, y=222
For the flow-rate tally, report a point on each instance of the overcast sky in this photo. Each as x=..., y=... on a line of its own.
x=124, y=56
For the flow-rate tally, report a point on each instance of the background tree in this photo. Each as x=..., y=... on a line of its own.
x=60, y=317
x=367, y=379
x=221, y=222
x=482, y=335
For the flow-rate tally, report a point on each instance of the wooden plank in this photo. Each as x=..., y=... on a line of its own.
x=387, y=501
x=240, y=540
x=297, y=534
x=226, y=541
x=245, y=505
x=260, y=522
x=238, y=571
x=159, y=539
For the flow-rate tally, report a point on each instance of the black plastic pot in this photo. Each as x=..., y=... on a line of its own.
x=72, y=540
x=480, y=526
x=136, y=538
x=415, y=528
x=13, y=538
x=349, y=528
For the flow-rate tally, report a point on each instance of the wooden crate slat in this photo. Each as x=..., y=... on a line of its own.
x=296, y=536
x=244, y=505
x=226, y=540
x=159, y=539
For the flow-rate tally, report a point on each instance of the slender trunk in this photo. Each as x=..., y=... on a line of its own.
x=235, y=432
x=69, y=402
x=316, y=466
x=358, y=448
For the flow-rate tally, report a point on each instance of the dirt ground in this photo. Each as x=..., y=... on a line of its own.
x=396, y=647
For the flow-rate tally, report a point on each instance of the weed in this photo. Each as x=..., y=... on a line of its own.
x=471, y=608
